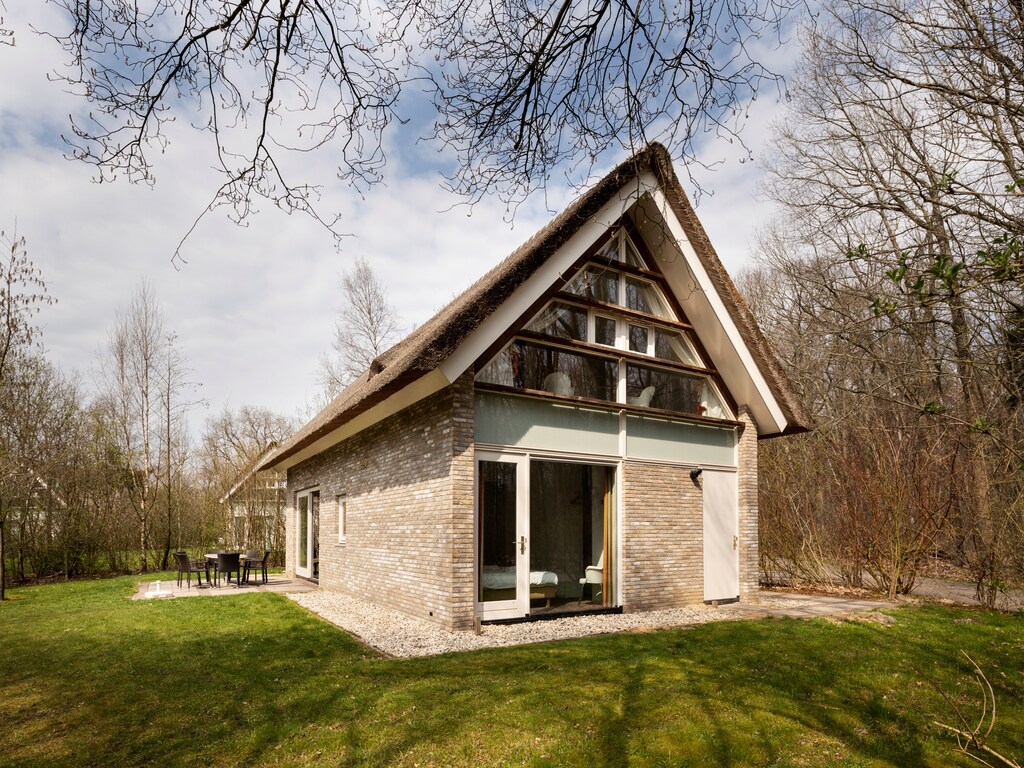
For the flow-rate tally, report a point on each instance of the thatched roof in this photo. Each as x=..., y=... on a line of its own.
x=426, y=348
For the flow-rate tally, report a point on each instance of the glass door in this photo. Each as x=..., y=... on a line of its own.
x=307, y=534
x=572, y=525
x=502, y=536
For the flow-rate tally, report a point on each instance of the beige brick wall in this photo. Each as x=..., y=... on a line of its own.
x=408, y=487
x=409, y=483
x=747, y=493
x=662, y=529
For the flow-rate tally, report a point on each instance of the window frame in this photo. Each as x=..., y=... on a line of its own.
x=341, y=501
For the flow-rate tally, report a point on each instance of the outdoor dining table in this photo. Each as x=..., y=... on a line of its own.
x=211, y=560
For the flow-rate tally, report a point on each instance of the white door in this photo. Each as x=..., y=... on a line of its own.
x=721, y=536
x=502, y=536
x=307, y=534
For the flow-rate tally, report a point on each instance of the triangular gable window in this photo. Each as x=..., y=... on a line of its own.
x=610, y=335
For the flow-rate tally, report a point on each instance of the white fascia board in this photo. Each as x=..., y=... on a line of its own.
x=714, y=324
x=533, y=288
x=411, y=393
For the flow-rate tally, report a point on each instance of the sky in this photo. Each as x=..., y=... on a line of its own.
x=253, y=307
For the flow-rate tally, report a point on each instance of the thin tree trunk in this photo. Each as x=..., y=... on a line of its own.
x=3, y=558
x=167, y=409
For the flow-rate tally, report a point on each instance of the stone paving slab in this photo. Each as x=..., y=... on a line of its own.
x=169, y=589
x=800, y=606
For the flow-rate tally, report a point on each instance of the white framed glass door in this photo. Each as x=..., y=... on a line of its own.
x=307, y=534
x=502, y=536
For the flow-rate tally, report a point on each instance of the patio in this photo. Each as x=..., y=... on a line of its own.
x=276, y=582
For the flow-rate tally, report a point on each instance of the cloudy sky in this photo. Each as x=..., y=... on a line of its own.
x=254, y=306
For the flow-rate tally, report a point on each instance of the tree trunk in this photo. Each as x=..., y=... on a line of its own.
x=143, y=544
x=3, y=559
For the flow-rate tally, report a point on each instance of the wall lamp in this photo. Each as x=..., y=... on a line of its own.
x=695, y=473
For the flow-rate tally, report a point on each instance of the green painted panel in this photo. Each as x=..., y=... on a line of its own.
x=523, y=422
x=663, y=440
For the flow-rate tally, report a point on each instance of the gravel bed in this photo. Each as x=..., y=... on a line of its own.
x=396, y=634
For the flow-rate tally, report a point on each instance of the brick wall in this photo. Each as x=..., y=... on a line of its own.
x=408, y=483
x=747, y=492
x=408, y=488
x=662, y=529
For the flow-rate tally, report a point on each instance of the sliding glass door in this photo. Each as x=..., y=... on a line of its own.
x=545, y=535
x=307, y=534
x=572, y=519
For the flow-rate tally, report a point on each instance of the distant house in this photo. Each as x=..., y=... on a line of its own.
x=577, y=430
x=255, y=505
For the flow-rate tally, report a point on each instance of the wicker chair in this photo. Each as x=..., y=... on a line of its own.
x=188, y=567
x=253, y=561
x=228, y=563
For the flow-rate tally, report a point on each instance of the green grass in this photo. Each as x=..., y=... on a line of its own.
x=88, y=677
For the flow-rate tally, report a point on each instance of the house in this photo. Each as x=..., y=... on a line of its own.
x=255, y=508
x=577, y=430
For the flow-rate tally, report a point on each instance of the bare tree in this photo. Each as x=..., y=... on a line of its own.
x=131, y=369
x=895, y=278
x=367, y=325
x=519, y=88
x=22, y=295
x=174, y=438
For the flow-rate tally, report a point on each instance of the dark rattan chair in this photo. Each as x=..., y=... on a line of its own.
x=211, y=562
x=253, y=562
x=250, y=556
x=188, y=567
x=228, y=563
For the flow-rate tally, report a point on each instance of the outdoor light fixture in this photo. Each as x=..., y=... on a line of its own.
x=695, y=473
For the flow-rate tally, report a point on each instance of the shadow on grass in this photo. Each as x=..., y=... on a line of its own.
x=92, y=679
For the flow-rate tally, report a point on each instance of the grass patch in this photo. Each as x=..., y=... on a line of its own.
x=88, y=677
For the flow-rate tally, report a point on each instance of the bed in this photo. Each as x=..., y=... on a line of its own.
x=499, y=583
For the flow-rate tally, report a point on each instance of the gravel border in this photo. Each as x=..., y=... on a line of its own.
x=396, y=634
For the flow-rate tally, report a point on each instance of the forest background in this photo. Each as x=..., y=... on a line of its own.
x=890, y=281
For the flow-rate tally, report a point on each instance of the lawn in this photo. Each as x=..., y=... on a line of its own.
x=88, y=677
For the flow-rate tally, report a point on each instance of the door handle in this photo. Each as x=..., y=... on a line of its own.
x=521, y=541
x=735, y=541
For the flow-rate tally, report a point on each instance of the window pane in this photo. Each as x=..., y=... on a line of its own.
x=525, y=365
x=604, y=330
x=572, y=525
x=626, y=253
x=671, y=345
x=314, y=506
x=632, y=257
x=496, y=491
x=710, y=405
x=654, y=388
x=596, y=283
x=302, y=532
x=643, y=296
x=562, y=321
x=638, y=339
x=610, y=250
